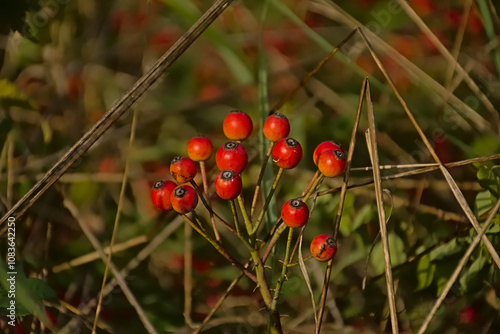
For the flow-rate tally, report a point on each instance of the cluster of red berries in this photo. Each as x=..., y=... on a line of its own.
x=231, y=159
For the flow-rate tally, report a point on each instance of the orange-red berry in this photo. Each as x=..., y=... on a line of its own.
x=276, y=127
x=332, y=162
x=182, y=169
x=232, y=155
x=295, y=213
x=199, y=148
x=184, y=199
x=323, y=247
x=160, y=194
x=325, y=146
x=237, y=125
x=228, y=184
x=287, y=153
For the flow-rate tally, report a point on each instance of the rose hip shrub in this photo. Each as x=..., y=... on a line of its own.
x=256, y=234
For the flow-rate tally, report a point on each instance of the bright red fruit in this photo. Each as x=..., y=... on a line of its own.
x=276, y=127
x=287, y=153
x=199, y=148
x=184, y=199
x=182, y=169
x=323, y=247
x=295, y=213
x=160, y=194
x=332, y=162
x=325, y=146
x=228, y=184
x=232, y=155
x=237, y=125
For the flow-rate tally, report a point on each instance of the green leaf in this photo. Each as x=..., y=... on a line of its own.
x=397, y=252
x=443, y=251
x=483, y=202
x=28, y=292
x=470, y=279
x=364, y=216
x=425, y=272
x=489, y=180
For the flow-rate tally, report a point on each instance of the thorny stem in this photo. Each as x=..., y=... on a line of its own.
x=282, y=278
x=268, y=200
x=259, y=180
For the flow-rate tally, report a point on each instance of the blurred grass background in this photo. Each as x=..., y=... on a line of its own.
x=67, y=62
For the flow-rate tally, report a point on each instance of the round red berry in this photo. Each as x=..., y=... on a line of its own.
x=323, y=247
x=232, y=155
x=325, y=146
x=199, y=148
x=276, y=127
x=287, y=153
x=182, y=169
x=160, y=194
x=295, y=213
x=332, y=162
x=237, y=125
x=228, y=184
x=184, y=199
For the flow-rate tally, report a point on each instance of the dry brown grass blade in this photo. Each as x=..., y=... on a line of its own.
x=414, y=172
x=119, y=278
x=459, y=268
x=309, y=75
x=451, y=182
x=373, y=151
x=450, y=58
x=118, y=214
x=120, y=107
x=90, y=257
x=418, y=76
x=343, y=191
x=303, y=270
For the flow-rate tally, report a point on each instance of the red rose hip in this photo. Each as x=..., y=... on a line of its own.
x=295, y=213
x=199, y=148
x=160, y=194
x=325, y=146
x=237, y=125
x=323, y=247
x=182, y=169
x=332, y=162
x=184, y=199
x=276, y=127
x=287, y=153
x=228, y=184
x=232, y=155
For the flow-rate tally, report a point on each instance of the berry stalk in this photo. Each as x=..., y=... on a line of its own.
x=268, y=199
x=259, y=179
x=220, y=249
x=205, y=191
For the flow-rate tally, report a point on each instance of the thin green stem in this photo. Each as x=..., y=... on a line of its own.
x=209, y=208
x=246, y=219
x=220, y=249
x=282, y=278
x=205, y=191
x=268, y=199
x=259, y=180
x=243, y=238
